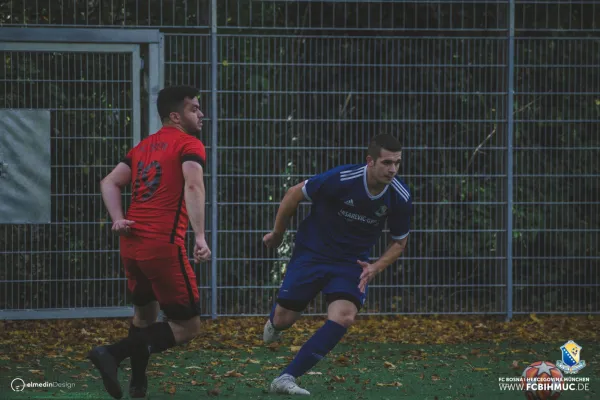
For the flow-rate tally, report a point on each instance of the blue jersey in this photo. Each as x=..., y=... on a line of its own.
x=346, y=220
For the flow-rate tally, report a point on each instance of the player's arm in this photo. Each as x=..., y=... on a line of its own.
x=193, y=158
x=391, y=254
x=314, y=189
x=195, y=195
x=288, y=207
x=399, y=221
x=111, y=187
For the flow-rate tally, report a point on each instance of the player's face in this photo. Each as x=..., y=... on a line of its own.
x=387, y=165
x=191, y=116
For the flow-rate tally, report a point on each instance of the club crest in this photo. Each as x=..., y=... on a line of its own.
x=381, y=211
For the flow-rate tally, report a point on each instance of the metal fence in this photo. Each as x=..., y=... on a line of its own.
x=497, y=104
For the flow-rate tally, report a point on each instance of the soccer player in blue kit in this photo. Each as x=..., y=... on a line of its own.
x=350, y=205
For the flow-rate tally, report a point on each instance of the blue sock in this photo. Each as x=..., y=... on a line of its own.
x=317, y=347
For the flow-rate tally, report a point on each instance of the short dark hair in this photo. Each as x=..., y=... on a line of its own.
x=170, y=99
x=383, y=141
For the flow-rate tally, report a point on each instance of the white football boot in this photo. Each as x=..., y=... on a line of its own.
x=270, y=335
x=286, y=384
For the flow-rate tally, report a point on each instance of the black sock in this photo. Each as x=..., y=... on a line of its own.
x=122, y=349
x=160, y=337
x=156, y=338
x=134, y=329
x=128, y=346
x=139, y=362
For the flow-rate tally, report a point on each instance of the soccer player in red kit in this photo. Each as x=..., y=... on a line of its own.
x=166, y=174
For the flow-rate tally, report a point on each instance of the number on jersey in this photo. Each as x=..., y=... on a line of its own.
x=147, y=180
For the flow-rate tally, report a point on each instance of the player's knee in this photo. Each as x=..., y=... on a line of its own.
x=342, y=309
x=141, y=322
x=346, y=320
x=184, y=321
x=194, y=327
x=146, y=315
x=283, y=322
x=286, y=313
x=186, y=330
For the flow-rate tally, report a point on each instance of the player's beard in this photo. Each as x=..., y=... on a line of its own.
x=192, y=128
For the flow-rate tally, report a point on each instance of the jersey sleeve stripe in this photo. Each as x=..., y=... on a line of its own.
x=352, y=171
x=400, y=237
x=403, y=192
x=192, y=157
x=305, y=192
x=343, y=178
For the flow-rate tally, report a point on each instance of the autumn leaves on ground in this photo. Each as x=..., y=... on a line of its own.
x=381, y=357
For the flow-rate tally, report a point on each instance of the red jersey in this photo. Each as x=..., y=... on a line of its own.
x=157, y=201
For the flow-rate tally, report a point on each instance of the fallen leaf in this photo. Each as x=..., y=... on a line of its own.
x=233, y=374
x=393, y=384
x=342, y=360
x=31, y=339
x=389, y=365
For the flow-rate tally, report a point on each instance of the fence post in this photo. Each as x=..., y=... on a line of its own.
x=214, y=113
x=509, y=159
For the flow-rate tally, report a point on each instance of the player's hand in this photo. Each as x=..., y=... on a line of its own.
x=201, y=250
x=122, y=227
x=273, y=239
x=368, y=273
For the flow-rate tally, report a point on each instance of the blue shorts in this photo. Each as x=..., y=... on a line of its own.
x=308, y=274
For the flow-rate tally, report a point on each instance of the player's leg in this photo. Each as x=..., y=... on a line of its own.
x=340, y=316
x=282, y=318
x=107, y=358
x=300, y=285
x=146, y=309
x=145, y=315
x=344, y=300
x=174, y=284
x=171, y=281
x=342, y=309
x=179, y=299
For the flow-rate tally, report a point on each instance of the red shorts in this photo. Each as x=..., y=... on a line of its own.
x=160, y=271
